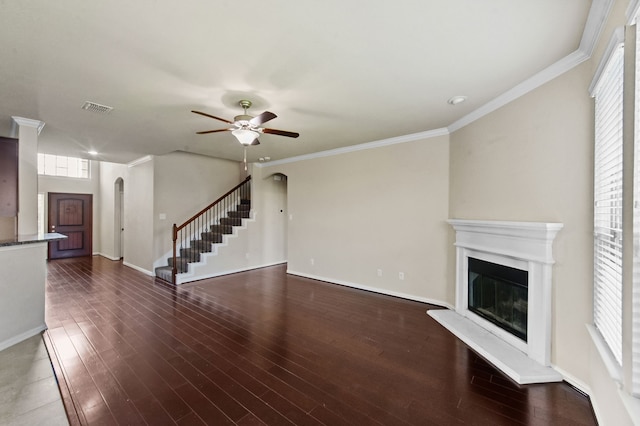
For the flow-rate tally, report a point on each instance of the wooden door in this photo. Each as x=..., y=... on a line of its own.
x=70, y=215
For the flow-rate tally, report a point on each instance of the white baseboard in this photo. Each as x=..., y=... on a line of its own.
x=22, y=336
x=106, y=256
x=139, y=269
x=228, y=272
x=373, y=289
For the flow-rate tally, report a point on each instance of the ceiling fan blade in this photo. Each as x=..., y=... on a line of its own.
x=212, y=116
x=212, y=131
x=262, y=118
x=255, y=142
x=281, y=133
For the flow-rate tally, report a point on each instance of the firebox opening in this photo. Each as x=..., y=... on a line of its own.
x=499, y=294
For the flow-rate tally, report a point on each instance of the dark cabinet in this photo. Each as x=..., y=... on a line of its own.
x=8, y=177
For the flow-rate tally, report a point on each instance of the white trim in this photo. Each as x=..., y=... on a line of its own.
x=521, y=245
x=573, y=381
x=139, y=269
x=632, y=12
x=29, y=122
x=613, y=368
x=508, y=359
x=544, y=76
x=593, y=28
x=106, y=256
x=617, y=38
x=228, y=272
x=372, y=289
x=360, y=147
x=140, y=160
x=595, y=23
x=22, y=336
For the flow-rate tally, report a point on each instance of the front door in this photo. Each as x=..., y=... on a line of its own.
x=70, y=215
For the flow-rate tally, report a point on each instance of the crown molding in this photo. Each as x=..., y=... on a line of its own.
x=27, y=122
x=596, y=20
x=593, y=28
x=140, y=160
x=360, y=147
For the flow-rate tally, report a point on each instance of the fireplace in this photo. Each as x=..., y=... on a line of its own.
x=499, y=294
x=503, y=302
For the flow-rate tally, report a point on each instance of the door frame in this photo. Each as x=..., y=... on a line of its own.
x=86, y=227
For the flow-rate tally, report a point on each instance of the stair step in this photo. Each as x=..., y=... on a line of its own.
x=245, y=201
x=204, y=245
x=190, y=254
x=233, y=221
x=182, y=264
x=164, y=273
x=211, y=238
x=221, y=229
x=243, y=207
x=240, y=214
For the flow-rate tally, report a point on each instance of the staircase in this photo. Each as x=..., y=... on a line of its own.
x=205, y=229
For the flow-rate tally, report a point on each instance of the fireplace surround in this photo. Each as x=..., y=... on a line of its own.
x=524, y=246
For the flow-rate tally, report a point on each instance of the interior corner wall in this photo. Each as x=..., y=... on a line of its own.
x=183, y=184
x=138, y=217
x=532, y=160
x=377, y=209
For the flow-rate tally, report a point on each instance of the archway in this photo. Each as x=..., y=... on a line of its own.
x=118, y=213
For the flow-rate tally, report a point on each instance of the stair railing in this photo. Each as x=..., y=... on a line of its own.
x=201, y=221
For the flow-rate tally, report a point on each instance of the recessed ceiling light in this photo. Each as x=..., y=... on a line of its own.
x=92, y=152
x=457, y=100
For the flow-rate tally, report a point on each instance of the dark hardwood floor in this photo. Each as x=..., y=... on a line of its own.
x=263, y=347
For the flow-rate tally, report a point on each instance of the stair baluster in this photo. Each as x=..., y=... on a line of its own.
x=198, y=233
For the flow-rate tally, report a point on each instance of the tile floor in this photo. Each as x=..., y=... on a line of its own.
x=28, y=389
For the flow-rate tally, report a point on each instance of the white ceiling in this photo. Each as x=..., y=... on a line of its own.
x=339, y=72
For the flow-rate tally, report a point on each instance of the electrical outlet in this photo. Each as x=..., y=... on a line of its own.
x=312, y=261
x=379, y=272
x=401, y=276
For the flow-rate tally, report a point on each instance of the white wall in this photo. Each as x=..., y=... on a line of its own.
x=382, y=208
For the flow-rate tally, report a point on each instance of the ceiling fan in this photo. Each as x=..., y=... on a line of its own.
x=246, y=128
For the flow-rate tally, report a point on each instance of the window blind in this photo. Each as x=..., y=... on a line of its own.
x=607, y=310
x=635, y=326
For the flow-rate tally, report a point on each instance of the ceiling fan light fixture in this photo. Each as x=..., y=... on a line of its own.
x=245, y=136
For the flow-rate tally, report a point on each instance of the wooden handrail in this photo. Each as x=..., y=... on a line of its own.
x=201, y=212
x=176, y=229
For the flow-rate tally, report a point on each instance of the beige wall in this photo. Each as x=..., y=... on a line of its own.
x=382, y=208
x=183, y=184
x=138, y=221
x=532, y=160
x=23, y=295
x=109, y=173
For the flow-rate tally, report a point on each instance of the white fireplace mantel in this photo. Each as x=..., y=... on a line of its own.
x=522, y=245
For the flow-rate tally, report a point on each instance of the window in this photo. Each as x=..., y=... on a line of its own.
x=608, y=94
x=57, y=165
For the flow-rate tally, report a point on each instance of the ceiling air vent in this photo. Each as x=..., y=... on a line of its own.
x=94, y=107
